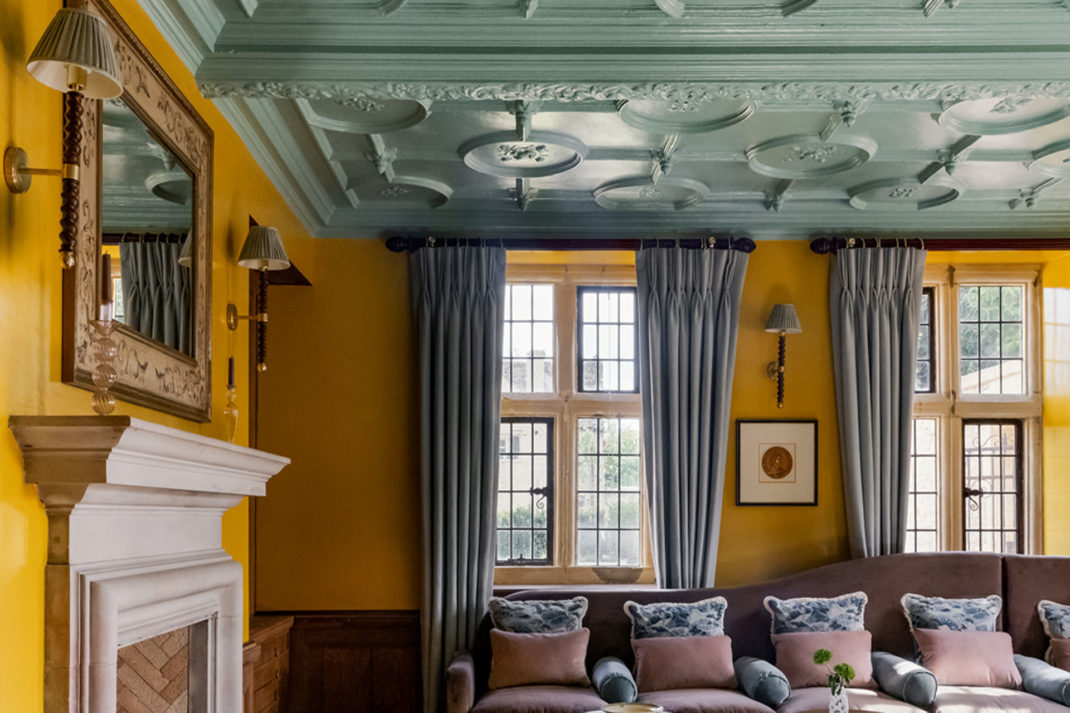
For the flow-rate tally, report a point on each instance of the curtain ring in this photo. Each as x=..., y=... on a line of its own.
x=430, y=241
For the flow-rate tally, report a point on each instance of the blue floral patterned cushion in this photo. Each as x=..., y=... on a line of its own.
x=537, y=616
x=979, y=614
x=662, y=619
x=843, y=613
x=1055, y=618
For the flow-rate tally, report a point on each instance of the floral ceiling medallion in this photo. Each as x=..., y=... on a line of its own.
x=904, y=194
x=503, y=154
x=1009, y=114
x=641, y=194
x=803, y=156
x=685, y=114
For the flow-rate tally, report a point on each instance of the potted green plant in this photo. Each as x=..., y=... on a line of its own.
x=840, y=677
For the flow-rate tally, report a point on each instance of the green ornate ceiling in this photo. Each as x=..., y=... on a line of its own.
x=779, y=118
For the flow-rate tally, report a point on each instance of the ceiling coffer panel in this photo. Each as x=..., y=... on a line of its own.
x=778, y=117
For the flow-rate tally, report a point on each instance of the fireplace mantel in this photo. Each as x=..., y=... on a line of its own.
x=135, y=549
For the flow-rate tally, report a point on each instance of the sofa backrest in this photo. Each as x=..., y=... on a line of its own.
x=884, y=579
x=1027, y=580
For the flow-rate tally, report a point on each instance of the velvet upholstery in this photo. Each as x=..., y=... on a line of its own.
x=540, y=699
x=1022, y=581
x=703, y=700
x=859, y=699
x=1028, y=580
x=976, y=699
x=884, y=579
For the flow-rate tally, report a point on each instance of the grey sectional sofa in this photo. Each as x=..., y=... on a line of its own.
x=1021, y=580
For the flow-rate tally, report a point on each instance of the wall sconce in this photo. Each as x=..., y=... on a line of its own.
x=783, y=320
x=262, y=251
x=74, y=56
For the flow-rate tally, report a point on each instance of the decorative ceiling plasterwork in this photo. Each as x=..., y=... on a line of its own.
x=630, y=116
x=693, y=93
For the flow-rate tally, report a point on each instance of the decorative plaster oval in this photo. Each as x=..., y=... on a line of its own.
x=175, y=186
x=803, y=156
x=683, y=116
x=1003, y=115
x=407, y=189
x=640, y=193
x=1053, y=159
x=545, y=153
x=904, y=194
x=363, y=114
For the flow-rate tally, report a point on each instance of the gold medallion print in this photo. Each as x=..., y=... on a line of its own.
x=776, y=462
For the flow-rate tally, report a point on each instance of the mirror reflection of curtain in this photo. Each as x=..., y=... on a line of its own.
x=156, y=289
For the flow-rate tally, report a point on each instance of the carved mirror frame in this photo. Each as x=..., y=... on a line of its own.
x=150, y=374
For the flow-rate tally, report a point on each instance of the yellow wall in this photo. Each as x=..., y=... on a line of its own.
x=30, y=314
x=340, y=528
x=1056, y=280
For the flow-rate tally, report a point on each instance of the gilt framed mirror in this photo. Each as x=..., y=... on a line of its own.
x=145, y=199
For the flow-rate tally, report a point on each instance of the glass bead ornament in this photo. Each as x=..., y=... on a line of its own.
x=104, y=374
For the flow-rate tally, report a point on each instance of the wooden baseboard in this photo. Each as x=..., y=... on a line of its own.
x=363, y=661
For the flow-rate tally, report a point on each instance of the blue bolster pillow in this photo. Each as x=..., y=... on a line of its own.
x=1042, y=679
x=904, y=679
x=614, y=681
x=762, y=681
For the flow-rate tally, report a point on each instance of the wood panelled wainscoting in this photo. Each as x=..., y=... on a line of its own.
x=355, y=662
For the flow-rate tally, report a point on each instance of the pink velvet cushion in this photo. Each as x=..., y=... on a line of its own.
x=795, y=656
x=969, y=658
x=555, y=658
x=668, y=662
x=1059, y=654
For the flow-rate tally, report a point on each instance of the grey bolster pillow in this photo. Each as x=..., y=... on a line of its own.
x=762, y=681
x=904, y=679
x=1042, y=679
x=614, y=681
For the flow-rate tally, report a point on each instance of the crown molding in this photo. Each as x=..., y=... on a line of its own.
x=809, y=93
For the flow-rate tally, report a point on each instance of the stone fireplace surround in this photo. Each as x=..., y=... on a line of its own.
x=135, y=550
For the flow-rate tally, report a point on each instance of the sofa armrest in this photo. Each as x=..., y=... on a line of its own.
x=904, y=679
x=461, y=683
x=1042, y=679
x=613, y=681
x=762, y=681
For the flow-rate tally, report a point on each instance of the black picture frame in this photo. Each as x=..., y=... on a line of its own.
x=757, y=483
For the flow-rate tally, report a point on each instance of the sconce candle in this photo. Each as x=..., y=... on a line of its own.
x=782, y=321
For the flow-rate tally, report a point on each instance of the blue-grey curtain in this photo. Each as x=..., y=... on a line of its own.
x=688, y=321
x=874, y=300
x=156, y=292
x=459, y=299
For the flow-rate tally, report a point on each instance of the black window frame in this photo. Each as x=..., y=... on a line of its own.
x=1019, y=484
x=547, y=494
x=581, y=290
x=930, y=293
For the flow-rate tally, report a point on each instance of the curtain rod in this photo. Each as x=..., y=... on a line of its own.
x=403, y=243
x=133, y=236
x=826, y=244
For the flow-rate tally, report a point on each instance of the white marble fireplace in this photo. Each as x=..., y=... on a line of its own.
x=135, y=550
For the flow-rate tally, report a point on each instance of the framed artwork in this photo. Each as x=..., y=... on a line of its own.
x=776, y=462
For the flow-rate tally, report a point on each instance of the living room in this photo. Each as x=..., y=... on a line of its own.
x=337, y=541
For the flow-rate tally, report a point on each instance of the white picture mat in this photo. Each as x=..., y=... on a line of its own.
x=798, y=485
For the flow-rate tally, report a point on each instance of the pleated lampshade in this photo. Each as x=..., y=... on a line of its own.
x=77, y=38
x=185, y=258
x=783, y=319
x=263, y=250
